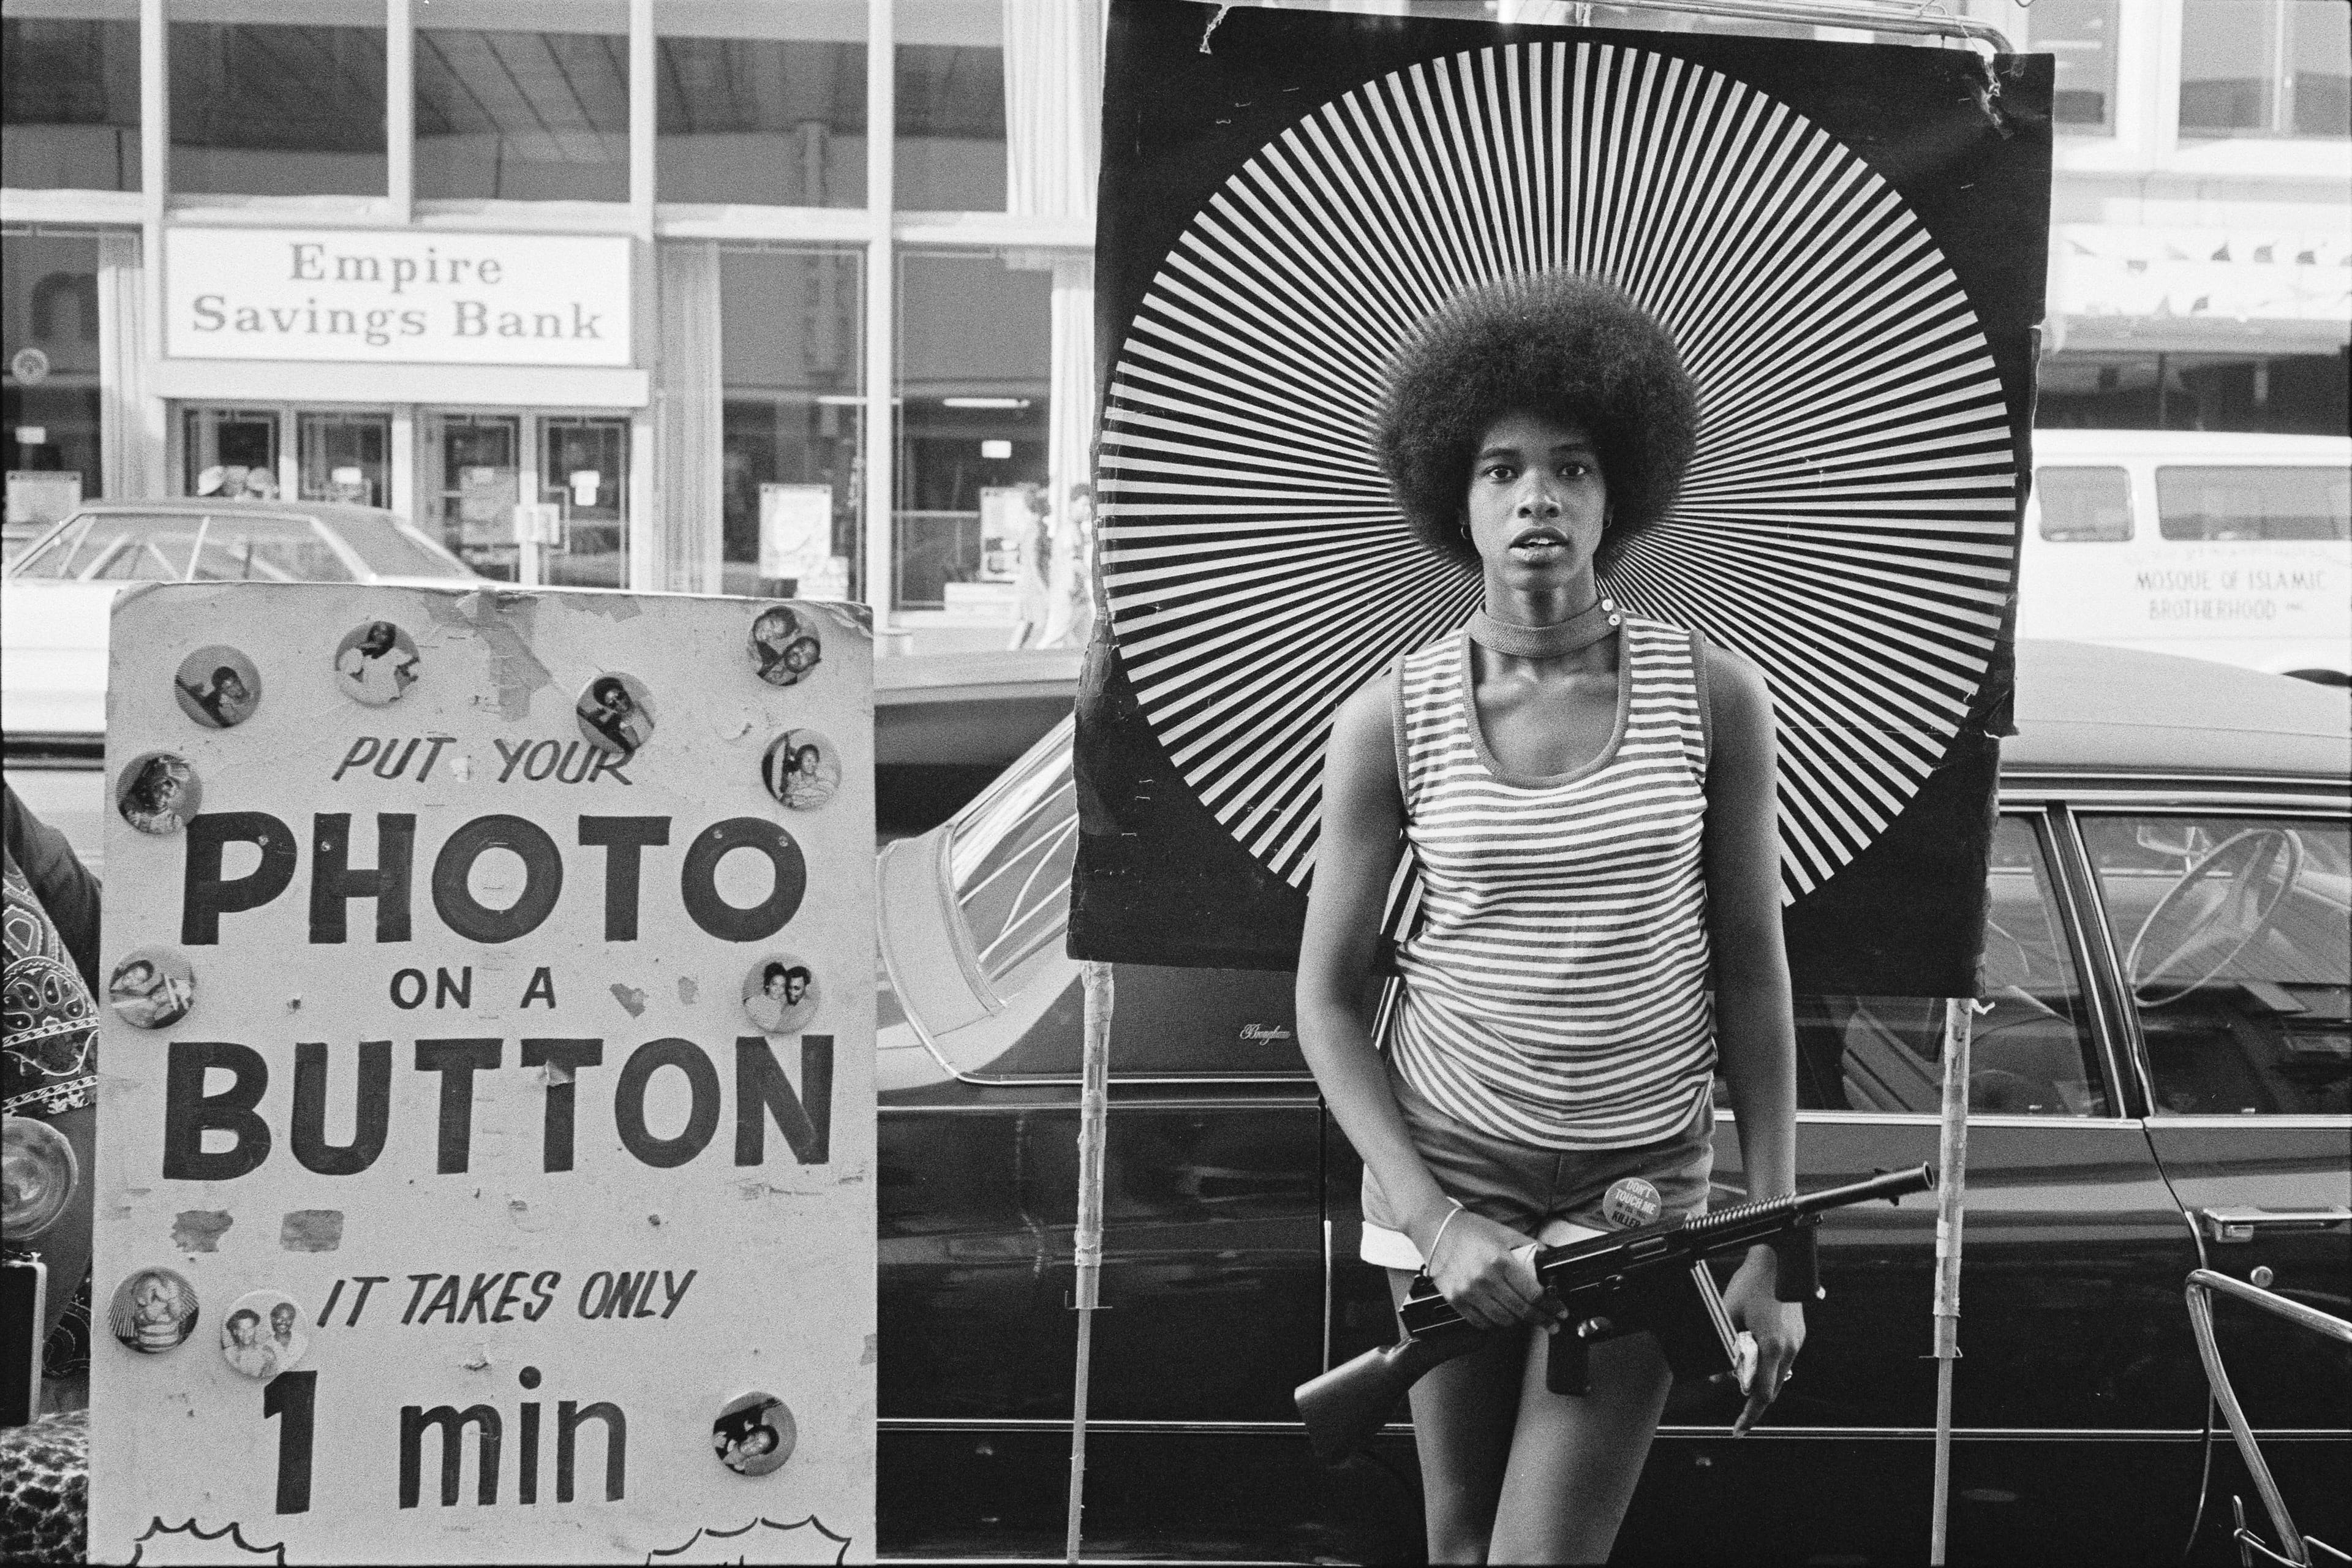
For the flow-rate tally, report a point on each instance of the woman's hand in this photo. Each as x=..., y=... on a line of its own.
x=1778, y=1328
x=1482, y=1268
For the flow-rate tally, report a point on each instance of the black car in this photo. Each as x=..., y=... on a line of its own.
x=2160, y=1083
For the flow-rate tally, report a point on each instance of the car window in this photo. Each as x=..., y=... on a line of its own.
x=2083, y=505
x=1009, y=858
x=2031, y=1055
x=2236, y=936
x=118, y=547
x=390, y=550
x=2244, y=501
x=267, y=550
x=56, y=557
x=129, y=549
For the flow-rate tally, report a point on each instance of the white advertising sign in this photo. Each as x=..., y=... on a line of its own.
x=488, y=1165
x=371, y=296
x=796, y=531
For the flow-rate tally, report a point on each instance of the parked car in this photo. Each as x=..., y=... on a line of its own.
x=2160, y=1083
x=2231, y=547
x=56, y=594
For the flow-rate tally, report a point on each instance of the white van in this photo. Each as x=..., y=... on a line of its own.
x=2228, y=547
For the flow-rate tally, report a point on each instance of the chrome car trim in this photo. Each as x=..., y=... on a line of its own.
x=1405, y=1429
x=1119, y=1102
x=2100, y=933
x=1931, y=1118
x=2068, y=875
x=2240, y=1224
x=2310, y=1121
x=2175, y=792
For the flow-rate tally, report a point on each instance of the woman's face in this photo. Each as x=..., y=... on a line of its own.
x=775, y=986
x=1537, y=502
x=800, y=656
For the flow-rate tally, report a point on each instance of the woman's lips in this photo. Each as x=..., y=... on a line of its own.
x=1539, y=545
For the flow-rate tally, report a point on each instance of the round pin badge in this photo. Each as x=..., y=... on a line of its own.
x=152, y=988
x=780, y=993
x=615, y=713
x=153, y=1311
x=39, y=1173
x=217, y=687
x=1631, y=1202
x=802, y=768
x=262, y=1335
x=376, y=663
x=784, y=646
x=754, y=1435
x=158, y=792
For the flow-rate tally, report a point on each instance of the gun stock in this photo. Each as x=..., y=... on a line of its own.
x=1347, y=1405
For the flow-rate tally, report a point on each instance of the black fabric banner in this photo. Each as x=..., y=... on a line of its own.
x=1848, y=242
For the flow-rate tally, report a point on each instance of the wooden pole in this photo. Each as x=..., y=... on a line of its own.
x=1952, y=1163
x=1085, y=1244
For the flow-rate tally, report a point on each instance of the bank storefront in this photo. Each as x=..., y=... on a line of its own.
x=660, y=294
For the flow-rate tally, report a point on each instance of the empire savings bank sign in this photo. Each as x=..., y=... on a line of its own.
x=374, y=297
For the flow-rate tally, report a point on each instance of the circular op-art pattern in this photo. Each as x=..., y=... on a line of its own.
x=1847, y=521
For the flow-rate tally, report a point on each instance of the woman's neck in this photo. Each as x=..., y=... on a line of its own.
x=1543, y=606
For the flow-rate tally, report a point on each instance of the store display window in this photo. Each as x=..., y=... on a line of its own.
x=794, y=417
x=949, y=69
x=761, y=106
x=277, y=101
x=49, y=395
x=524, y=115
x=69, y=94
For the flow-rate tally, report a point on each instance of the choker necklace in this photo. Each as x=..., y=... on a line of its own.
x=1580, y=630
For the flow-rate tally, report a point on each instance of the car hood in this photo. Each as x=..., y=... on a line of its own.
x=52, y=656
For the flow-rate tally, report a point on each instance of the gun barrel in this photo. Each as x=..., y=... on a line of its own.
x=1769, y=1212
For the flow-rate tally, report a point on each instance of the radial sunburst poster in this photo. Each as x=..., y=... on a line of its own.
x=1846, y=242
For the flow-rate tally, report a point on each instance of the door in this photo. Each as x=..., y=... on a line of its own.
x=583, y=469
x=344, y=455
x=474, y=467
x=2237, y=954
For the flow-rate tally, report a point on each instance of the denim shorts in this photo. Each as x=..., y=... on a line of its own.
x=1552, y=1194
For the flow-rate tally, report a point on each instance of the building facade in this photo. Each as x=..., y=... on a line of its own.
x=758, y=295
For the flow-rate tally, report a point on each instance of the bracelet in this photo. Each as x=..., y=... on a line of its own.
x=1429, y=1258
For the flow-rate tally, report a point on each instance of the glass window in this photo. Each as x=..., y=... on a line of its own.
x=583, y=469
x=70, y=95
x=2265, y=67
x=951, y=106
x=763, y=105
x=539, y=114
x=2247, y=503
x=2031, y=1055
x=2287, y=393
x=49, y=327
x=236, y=548
x=2083, y=504
x=390, y=548
x=229, y=452
x=344, y=457
x=62, y=555
x=2238, y=956
x=791, y=324
x=974, y=356
x=262, y=107
x=2082, y=35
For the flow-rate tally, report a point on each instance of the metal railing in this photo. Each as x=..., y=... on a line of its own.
x=2295, y=1548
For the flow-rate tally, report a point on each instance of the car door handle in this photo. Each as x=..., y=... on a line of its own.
x=2240, y=1224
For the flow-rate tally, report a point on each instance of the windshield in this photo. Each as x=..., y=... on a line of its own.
x=266, y=550
x=391, y=549
x=118, y=547
x=1009, y=854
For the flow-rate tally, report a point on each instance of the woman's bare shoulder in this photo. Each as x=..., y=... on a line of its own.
x=1739, y=695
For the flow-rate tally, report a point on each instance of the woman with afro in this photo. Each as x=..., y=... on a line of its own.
x=1590, y=796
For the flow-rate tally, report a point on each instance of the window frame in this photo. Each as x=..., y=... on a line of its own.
x=2131, y=1042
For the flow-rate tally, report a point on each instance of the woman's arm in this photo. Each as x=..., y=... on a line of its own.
x=1356, y=856
x=1755, y=1032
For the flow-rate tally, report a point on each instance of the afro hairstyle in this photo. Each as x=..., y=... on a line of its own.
x=1568, y=347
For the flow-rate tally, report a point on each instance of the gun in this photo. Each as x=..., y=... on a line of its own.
x=1611, y=1285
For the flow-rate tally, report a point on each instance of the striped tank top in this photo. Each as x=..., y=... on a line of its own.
x=1556, y=990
